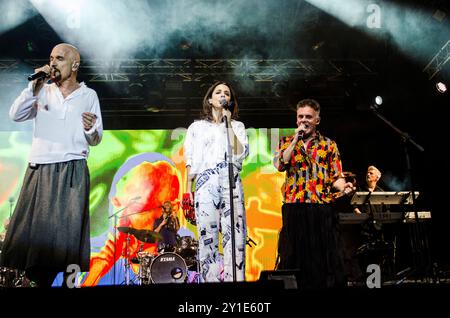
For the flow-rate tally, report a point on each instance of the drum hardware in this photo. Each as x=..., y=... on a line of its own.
x=145, y=236
x=12, y=278
x=165, y=248
x=126, y=256
x=145, y=260
x=187, y=249
x=9, y=277
x=170, y=266
x=116, y=216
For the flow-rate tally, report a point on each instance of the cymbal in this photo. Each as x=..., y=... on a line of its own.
x=147, y=236
x=349, y=174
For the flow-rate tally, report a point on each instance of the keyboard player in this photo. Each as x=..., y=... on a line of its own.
x=373, y=175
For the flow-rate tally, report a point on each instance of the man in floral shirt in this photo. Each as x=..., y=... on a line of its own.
x=309, y=239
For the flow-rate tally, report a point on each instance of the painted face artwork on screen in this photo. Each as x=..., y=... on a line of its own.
x=139, y=194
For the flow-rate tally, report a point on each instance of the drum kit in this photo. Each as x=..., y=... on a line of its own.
x=170, y=264
x=12, y=278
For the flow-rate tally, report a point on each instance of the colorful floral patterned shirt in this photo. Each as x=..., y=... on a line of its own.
x=310, y=173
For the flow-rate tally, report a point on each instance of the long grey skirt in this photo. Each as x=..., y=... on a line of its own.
x=50, y=224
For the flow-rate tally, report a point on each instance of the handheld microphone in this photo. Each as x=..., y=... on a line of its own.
x=37, y=75
x=301, y=132
x=223, y=102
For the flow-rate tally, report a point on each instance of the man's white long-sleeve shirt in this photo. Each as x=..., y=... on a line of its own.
x=58, y=133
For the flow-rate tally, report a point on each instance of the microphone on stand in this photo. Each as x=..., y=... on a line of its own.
x=223, y=102
x=225, y=105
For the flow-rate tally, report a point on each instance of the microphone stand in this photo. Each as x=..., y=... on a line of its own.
x=370, y=220
x=229, y=158
x=418, y=241
x=115, y=234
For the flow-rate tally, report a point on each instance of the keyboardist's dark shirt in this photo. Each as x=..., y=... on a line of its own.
x=374, y=208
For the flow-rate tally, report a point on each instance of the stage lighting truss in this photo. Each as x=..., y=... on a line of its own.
x=438, y=61
x=196, y=70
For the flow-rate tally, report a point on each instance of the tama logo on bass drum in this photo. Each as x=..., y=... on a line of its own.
x=167, y=259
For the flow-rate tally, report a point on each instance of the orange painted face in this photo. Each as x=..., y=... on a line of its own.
x=145, y=188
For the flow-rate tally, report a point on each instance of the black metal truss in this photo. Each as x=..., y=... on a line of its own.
x=438, y=61
x=196, y=70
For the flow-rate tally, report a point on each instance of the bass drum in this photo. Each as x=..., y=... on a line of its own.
x=168, y=268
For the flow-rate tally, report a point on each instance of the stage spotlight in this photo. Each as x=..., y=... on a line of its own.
x=378, y=100
x=441, y=87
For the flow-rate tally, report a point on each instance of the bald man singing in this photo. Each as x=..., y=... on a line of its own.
x=49, y=229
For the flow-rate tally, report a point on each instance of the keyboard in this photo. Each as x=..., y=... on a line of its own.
x=382, y=217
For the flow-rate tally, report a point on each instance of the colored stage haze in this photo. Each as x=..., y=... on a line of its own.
x=122, y=29
x=413, y=30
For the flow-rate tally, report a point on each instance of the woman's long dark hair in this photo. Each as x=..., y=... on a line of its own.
x=207, y=107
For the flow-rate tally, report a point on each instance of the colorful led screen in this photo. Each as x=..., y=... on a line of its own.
x=163, y=149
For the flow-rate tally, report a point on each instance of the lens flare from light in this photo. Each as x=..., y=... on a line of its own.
x=441, y=87
x=378, y=100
